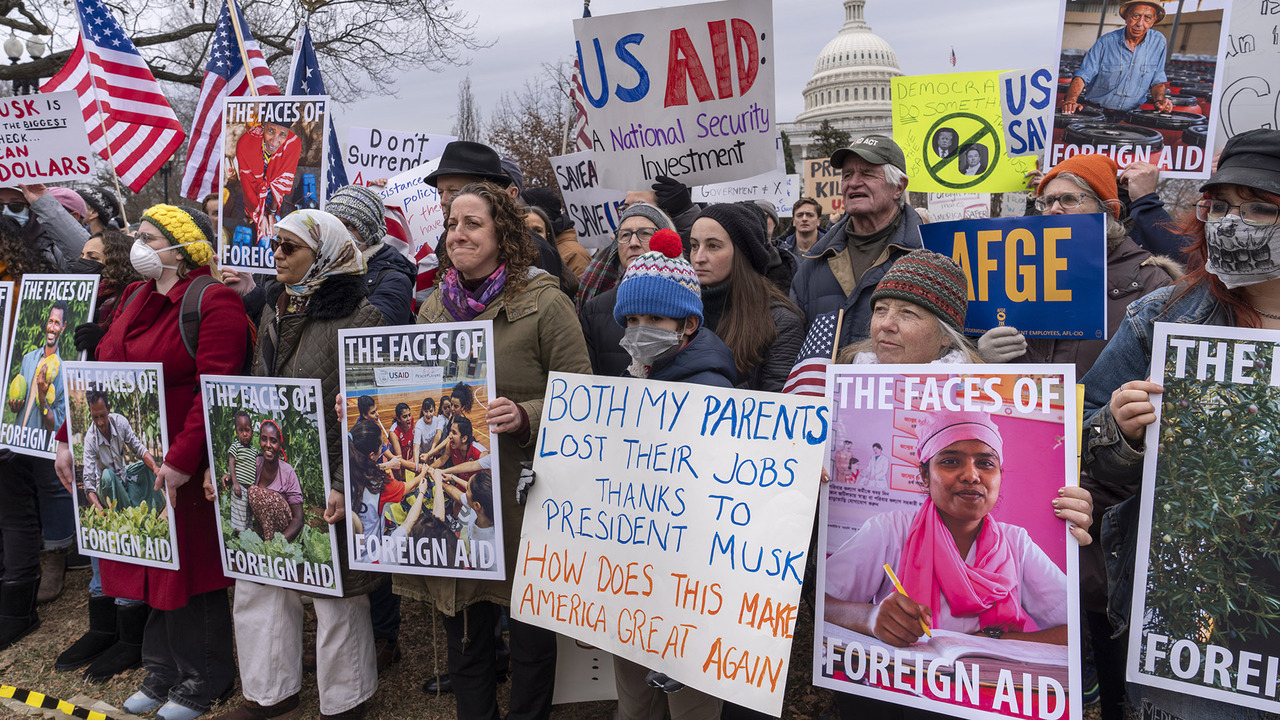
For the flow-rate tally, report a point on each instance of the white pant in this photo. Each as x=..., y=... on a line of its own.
x=268, y=622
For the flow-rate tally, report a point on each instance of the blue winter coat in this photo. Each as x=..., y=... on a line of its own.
x=706, y=360
x=390, y=279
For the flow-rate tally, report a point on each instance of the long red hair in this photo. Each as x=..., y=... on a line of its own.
x=1196, y=256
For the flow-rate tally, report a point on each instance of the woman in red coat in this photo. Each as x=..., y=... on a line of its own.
x=186, y=647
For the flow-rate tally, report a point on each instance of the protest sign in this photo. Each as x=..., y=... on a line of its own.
x=593, y=209
x=1105, y=95
x=1250, y=71
x=642, y=482
x=419, y=202
x=951, y=130
x=1025, y=97
x=6, y=312
x=377, y=154
x=1045, y=275
x=998, y=446
x=118, y=436
x=269, y=463
x=583, y=673
x=274, y=162
x=822, y=183
x=49, y=308
x=775, y=186
x=42, y=139
x=423, y=495
x=685, y=92
x=945, y=207
x=1206, y=583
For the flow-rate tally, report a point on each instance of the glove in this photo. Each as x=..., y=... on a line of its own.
x=1001, y=344
x=674, y=197
x=526, y=481
x=6, y=455
x=87, y=336
x=659, y=680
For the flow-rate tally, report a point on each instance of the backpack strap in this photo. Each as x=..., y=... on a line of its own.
x=189, y=319
x=132, y=295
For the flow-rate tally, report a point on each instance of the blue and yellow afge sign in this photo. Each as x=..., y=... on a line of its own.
x=1044, y=275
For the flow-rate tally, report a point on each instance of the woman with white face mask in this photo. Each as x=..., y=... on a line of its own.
x=187, y=650
x=1233, y=281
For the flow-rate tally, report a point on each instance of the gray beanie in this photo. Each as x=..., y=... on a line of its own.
x=653, y=214
x=361, y=207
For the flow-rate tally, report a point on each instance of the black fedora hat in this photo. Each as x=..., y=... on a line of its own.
x=462, y=157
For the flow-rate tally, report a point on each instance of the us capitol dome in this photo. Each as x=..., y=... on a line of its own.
x=850, y=84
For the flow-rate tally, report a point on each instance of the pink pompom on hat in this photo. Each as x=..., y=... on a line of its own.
x=943, y=428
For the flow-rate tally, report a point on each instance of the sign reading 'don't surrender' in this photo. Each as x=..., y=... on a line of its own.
x=685, y=550
x=1045, y=275
x=685, y=92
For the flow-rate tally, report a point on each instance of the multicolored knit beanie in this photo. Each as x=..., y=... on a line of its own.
x=932, y=281
x=180, y=226
x=660, y=282
x=362, y=208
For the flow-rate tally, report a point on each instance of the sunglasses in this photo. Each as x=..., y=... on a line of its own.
x=16, y=206
x=285, y=248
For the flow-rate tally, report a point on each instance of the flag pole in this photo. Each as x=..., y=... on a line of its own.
x=102, y=121
x=835, y=342
x=234, y=12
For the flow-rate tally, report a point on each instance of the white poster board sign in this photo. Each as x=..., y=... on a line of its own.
x=684, y=92
x=944, y=207
x=1250, y=71
x=1026, y=98
x=675, y=520
x=377, y=154
x=593, y=209
x=419, y=201
x=43, y=139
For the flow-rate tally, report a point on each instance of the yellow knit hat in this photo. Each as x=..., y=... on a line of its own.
x=181, y=226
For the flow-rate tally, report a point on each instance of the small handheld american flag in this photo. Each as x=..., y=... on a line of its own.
x=809, y=376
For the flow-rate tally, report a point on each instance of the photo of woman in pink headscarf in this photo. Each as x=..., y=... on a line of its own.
x=962, y=570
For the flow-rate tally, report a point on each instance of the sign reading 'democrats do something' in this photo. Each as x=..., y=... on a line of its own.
x=1206, y=579
x=1045, y=275
x=270, y=470
x=118, y=436
x=897, y=538
x=685, y=92
x=43, y=139
x=669, y=525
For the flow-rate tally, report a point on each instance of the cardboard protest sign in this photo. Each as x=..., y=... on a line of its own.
x=776, y=186
x=951, y=130
x=1045, y=275
x=822, y=183
x=1206, y=579
x=945, y=207
x=118, y=436
x=49, y=307
x=43, y=140
x=274, y=162
x=685, y=92
x=1250, y=72
x=1106, y=92
x=423, y=495
x=998, y=446
x=270, y=465
x=419, y=201
x=1025, y=98
x=377, y=154
x=594, y=209
x=669, y=526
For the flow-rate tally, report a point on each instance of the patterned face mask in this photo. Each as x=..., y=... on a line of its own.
x=1241, y=254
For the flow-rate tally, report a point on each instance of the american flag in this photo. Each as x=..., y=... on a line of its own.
x=809, y=376
x=578, y=123
x=304, y=79
x=953, y=57
x=119, y=97
x=224, y=76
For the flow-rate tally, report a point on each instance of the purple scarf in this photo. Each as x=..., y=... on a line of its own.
x=463, y=305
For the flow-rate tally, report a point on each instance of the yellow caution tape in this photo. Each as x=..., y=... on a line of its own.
x=44, y=702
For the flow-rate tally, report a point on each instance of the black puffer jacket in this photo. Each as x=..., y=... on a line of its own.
x=706, y=360
x=389, y=280
x=603, y=335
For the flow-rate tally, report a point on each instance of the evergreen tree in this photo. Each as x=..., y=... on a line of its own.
x=828, y=139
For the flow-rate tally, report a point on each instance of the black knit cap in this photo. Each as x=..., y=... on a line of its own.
x=205, y=223
x=1251, y=159
x=106, y=204
x=745, y=226
x=932, y=281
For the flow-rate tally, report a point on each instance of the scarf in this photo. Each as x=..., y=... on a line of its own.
x=601, y=274
x=335, y=249
x=931, y=567
x=463, y=304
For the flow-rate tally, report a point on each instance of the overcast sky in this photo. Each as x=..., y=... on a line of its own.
x=527, y=33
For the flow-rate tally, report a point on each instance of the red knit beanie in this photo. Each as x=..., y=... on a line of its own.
x=1097, y=170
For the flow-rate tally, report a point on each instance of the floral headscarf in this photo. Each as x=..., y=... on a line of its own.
x=336, y=251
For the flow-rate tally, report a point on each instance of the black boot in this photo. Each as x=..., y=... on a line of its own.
x=101, y=635
x=127, y=652
x=17, y=610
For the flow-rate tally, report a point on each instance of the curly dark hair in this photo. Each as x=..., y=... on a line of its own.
x=465, y=396
x=117, y=269
x=366, y=439
x=18, y=255
x=515, y=247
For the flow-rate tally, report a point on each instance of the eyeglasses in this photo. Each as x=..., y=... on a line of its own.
x=16, y=207
x=1068, y=201
x=1252, y=213
x=147, y=238
x=285, y=248
x=643, y=234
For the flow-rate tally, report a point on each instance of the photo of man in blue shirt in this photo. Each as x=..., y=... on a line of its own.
x=1124, y=66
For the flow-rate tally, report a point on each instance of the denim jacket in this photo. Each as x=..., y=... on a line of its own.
x=1112, y=465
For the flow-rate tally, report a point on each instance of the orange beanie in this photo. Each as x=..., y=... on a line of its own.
x=1097, y=170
